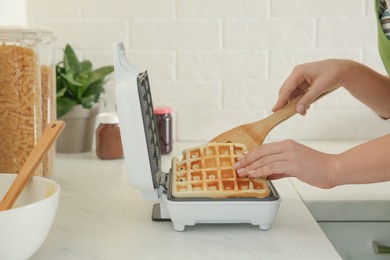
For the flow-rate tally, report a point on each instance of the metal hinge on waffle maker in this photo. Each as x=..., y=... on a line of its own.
x=164, y=179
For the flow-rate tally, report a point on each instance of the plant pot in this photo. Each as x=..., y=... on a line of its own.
x=78, y=133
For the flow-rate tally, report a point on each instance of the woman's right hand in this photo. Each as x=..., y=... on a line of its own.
x=312, y=79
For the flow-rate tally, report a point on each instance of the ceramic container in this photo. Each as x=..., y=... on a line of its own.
x=24, y=228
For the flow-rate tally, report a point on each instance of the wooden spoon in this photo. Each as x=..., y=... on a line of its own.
x=252, y=135
x=48, y=137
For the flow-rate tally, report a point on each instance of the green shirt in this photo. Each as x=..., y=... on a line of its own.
x=383, y=41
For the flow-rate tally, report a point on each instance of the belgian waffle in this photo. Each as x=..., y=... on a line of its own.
x=207, y=171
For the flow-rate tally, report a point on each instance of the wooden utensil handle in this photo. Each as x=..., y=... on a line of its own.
x=48, y=137
x=288, y=111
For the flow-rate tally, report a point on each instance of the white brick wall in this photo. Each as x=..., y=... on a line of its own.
x=220, y=63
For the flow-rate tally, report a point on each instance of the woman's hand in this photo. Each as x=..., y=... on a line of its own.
x=288, y=159
x=313, y=79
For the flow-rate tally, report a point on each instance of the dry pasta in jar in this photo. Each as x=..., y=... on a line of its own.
x=20, y=98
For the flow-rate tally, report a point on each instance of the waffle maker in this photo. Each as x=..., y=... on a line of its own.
x=143, y=161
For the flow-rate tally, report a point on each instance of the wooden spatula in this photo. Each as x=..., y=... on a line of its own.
x=252, y=135
x=48, y=137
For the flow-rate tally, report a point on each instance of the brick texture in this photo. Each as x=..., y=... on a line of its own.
x=220, y=63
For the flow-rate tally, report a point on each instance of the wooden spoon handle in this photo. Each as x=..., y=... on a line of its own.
x=48, y=137
x=287, y=111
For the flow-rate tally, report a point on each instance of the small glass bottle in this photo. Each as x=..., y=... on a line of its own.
x=164, y=128
x=108, y=138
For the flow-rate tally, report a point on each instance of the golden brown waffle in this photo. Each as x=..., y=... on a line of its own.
x=207, y=171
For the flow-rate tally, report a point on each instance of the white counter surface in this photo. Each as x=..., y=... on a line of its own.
x=101, y=216
x=361, y=202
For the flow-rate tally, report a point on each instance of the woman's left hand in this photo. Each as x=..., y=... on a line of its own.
x=288, y=159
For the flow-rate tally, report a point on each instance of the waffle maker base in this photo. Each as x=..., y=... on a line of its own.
x=190, y=211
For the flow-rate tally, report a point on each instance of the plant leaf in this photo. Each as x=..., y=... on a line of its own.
x=88, y=102
x=77, y=82
x=100, y=73
x=71, y=63
x=72, y=88
x=95, y=90
x=71, y=80
x=86, y=65
x=59, y=81
x=82, y=79
x=64, y=105
x=61, y=92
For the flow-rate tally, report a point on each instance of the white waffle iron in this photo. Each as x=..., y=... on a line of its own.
x=143, y=161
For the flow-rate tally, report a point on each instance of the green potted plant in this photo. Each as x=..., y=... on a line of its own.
x=79, y=87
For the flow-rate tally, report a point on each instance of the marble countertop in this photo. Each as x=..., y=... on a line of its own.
x=101, y=216
x=362, y=202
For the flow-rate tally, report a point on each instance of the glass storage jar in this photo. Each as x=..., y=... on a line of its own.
x=20, y=97
x=48, y=84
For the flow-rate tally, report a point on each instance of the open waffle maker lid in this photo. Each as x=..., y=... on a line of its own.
x=150, y=126
x=137, y=123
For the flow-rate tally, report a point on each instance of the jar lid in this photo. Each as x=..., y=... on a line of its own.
x=162, y=110
x=27, y=35
x=18, y=32
x=46, y=35
x=108, y=118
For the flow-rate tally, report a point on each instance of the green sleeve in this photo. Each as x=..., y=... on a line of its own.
x=383, y=41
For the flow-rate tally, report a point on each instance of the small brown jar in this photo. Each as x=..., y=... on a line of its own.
x=108, y=138
x=164, y=128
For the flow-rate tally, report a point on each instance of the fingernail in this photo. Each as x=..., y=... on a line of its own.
x=300, y=109
x=240, y=171
x=251, y=172
x=237, y=164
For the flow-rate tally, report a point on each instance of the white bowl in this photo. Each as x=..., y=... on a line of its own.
x=24, y=228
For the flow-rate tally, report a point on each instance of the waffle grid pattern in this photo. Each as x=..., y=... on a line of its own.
x=207, y=171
